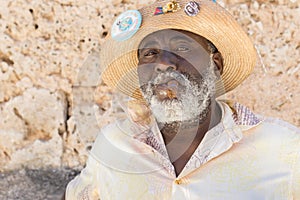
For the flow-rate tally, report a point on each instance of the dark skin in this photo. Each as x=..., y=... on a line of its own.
x=186, y=53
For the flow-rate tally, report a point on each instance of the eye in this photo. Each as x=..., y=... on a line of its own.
x=150, y=53
x=182, y=49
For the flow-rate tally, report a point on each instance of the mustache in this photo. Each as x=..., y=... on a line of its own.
x=163, y=76
x=183, y=79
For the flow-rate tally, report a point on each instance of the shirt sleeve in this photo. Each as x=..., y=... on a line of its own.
x=85, y=185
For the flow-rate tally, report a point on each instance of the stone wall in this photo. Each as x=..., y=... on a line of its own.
x=52, y=103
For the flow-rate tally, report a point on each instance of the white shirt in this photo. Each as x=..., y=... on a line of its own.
x=243, y=157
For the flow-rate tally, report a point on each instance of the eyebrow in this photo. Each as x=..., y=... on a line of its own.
x=148, y=44
x=182, y=38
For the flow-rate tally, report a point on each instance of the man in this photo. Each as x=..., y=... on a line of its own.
x=174, y=59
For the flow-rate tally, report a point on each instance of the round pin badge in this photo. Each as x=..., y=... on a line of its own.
x=126, y=25
x=192, y=8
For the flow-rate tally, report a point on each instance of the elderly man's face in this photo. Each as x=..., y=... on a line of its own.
x=177, y=75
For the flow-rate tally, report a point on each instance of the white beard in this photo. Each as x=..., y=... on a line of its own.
x=191, y=104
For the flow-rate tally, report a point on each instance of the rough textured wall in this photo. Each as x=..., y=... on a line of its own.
x=51, y=105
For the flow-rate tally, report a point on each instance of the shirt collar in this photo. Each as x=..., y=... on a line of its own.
x=235, y=119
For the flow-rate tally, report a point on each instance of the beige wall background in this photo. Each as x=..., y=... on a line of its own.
x=52, y=104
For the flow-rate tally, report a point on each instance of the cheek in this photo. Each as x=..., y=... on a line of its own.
x=145, y=72
x=194, y=65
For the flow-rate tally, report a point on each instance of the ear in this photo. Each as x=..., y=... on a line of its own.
x=218, y=60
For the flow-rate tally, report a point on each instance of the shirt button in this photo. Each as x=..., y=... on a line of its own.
x=178, y=181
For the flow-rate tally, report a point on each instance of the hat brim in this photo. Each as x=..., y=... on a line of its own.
x=119, y=59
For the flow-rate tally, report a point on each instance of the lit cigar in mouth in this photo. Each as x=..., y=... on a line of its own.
x=168, y=90
x=166, y=93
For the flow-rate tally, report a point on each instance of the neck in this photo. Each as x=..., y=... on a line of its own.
x=182, y=139
x=193, y=128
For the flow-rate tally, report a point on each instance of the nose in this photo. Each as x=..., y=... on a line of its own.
x=166, y=61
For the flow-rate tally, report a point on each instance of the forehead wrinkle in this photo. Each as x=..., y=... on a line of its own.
x=162, y=39
x=159, y=38
x=181, y=38
x=151, y=43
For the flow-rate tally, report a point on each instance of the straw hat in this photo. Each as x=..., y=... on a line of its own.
x=119, y=59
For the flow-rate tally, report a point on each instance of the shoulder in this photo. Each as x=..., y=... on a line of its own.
x=116, y=132
x=244, y=116
x=278, y=123
x=272, y=133
x=117, y=137
x=117, y=148
x=260, y=126
x=121, y=129
x=279, y=128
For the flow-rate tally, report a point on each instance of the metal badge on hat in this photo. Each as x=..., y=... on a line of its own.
x=126, y=25
x=171, y=6
x=192, y=8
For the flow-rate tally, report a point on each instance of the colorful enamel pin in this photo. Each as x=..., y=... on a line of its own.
x=172, y=6
x=126, y=25
x=192, y=8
